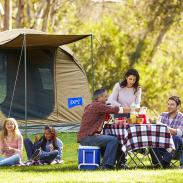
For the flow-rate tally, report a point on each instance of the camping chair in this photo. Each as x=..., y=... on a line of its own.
x=176, y=158
x=137, y=157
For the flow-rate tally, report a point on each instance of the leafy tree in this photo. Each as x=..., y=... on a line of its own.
x=146, y=35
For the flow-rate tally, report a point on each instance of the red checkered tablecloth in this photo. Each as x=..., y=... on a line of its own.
x=140, y=135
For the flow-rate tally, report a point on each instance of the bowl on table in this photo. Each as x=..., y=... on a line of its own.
x=139, y=120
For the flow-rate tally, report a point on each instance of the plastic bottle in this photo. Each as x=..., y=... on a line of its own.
x=133, y=113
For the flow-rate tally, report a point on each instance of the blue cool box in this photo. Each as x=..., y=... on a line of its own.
x=88, y=157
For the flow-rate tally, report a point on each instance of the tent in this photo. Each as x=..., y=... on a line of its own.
x=41, y=82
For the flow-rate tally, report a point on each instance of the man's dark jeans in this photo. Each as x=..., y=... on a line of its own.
x=164, y=155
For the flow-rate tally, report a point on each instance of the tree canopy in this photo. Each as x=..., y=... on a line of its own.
x=143, y=34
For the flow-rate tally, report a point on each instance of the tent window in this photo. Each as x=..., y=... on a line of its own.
x=3, y=81
x=46, y=78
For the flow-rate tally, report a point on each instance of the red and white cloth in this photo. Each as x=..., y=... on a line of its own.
x=141, y=136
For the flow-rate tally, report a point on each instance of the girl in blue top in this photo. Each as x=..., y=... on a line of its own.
x=46, y=149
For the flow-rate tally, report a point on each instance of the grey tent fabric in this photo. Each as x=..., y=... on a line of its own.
x=57, y=86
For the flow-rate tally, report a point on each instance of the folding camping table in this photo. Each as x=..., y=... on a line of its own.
x=139, y=136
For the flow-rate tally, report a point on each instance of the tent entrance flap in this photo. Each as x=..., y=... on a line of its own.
x=40, y=83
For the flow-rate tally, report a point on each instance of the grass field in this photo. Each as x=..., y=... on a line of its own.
x=68, y=172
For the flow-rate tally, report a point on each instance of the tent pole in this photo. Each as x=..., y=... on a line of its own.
x=93, y=74
x=25, y=76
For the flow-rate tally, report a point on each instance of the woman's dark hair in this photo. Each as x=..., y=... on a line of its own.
x=133, y=72
x=54, y=138
x=176, y=100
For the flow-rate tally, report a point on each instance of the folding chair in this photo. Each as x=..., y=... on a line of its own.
x=176, y=158
x=137, y=157
x=121, y=161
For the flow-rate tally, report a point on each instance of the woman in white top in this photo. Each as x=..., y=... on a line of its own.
x=128, y=91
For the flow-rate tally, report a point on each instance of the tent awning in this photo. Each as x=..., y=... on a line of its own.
x=8, y=40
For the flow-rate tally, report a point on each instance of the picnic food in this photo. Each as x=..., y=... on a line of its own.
x=139, y=120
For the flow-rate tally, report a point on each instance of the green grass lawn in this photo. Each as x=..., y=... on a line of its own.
x=68, y=172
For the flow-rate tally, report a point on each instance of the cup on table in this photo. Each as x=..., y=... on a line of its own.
x=144, y=118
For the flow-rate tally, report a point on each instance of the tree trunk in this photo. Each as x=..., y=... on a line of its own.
x=7, y=14
x=20, y=14
x=46, y=16
x=38, y=15
x=1, y=16
x=28, y=11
